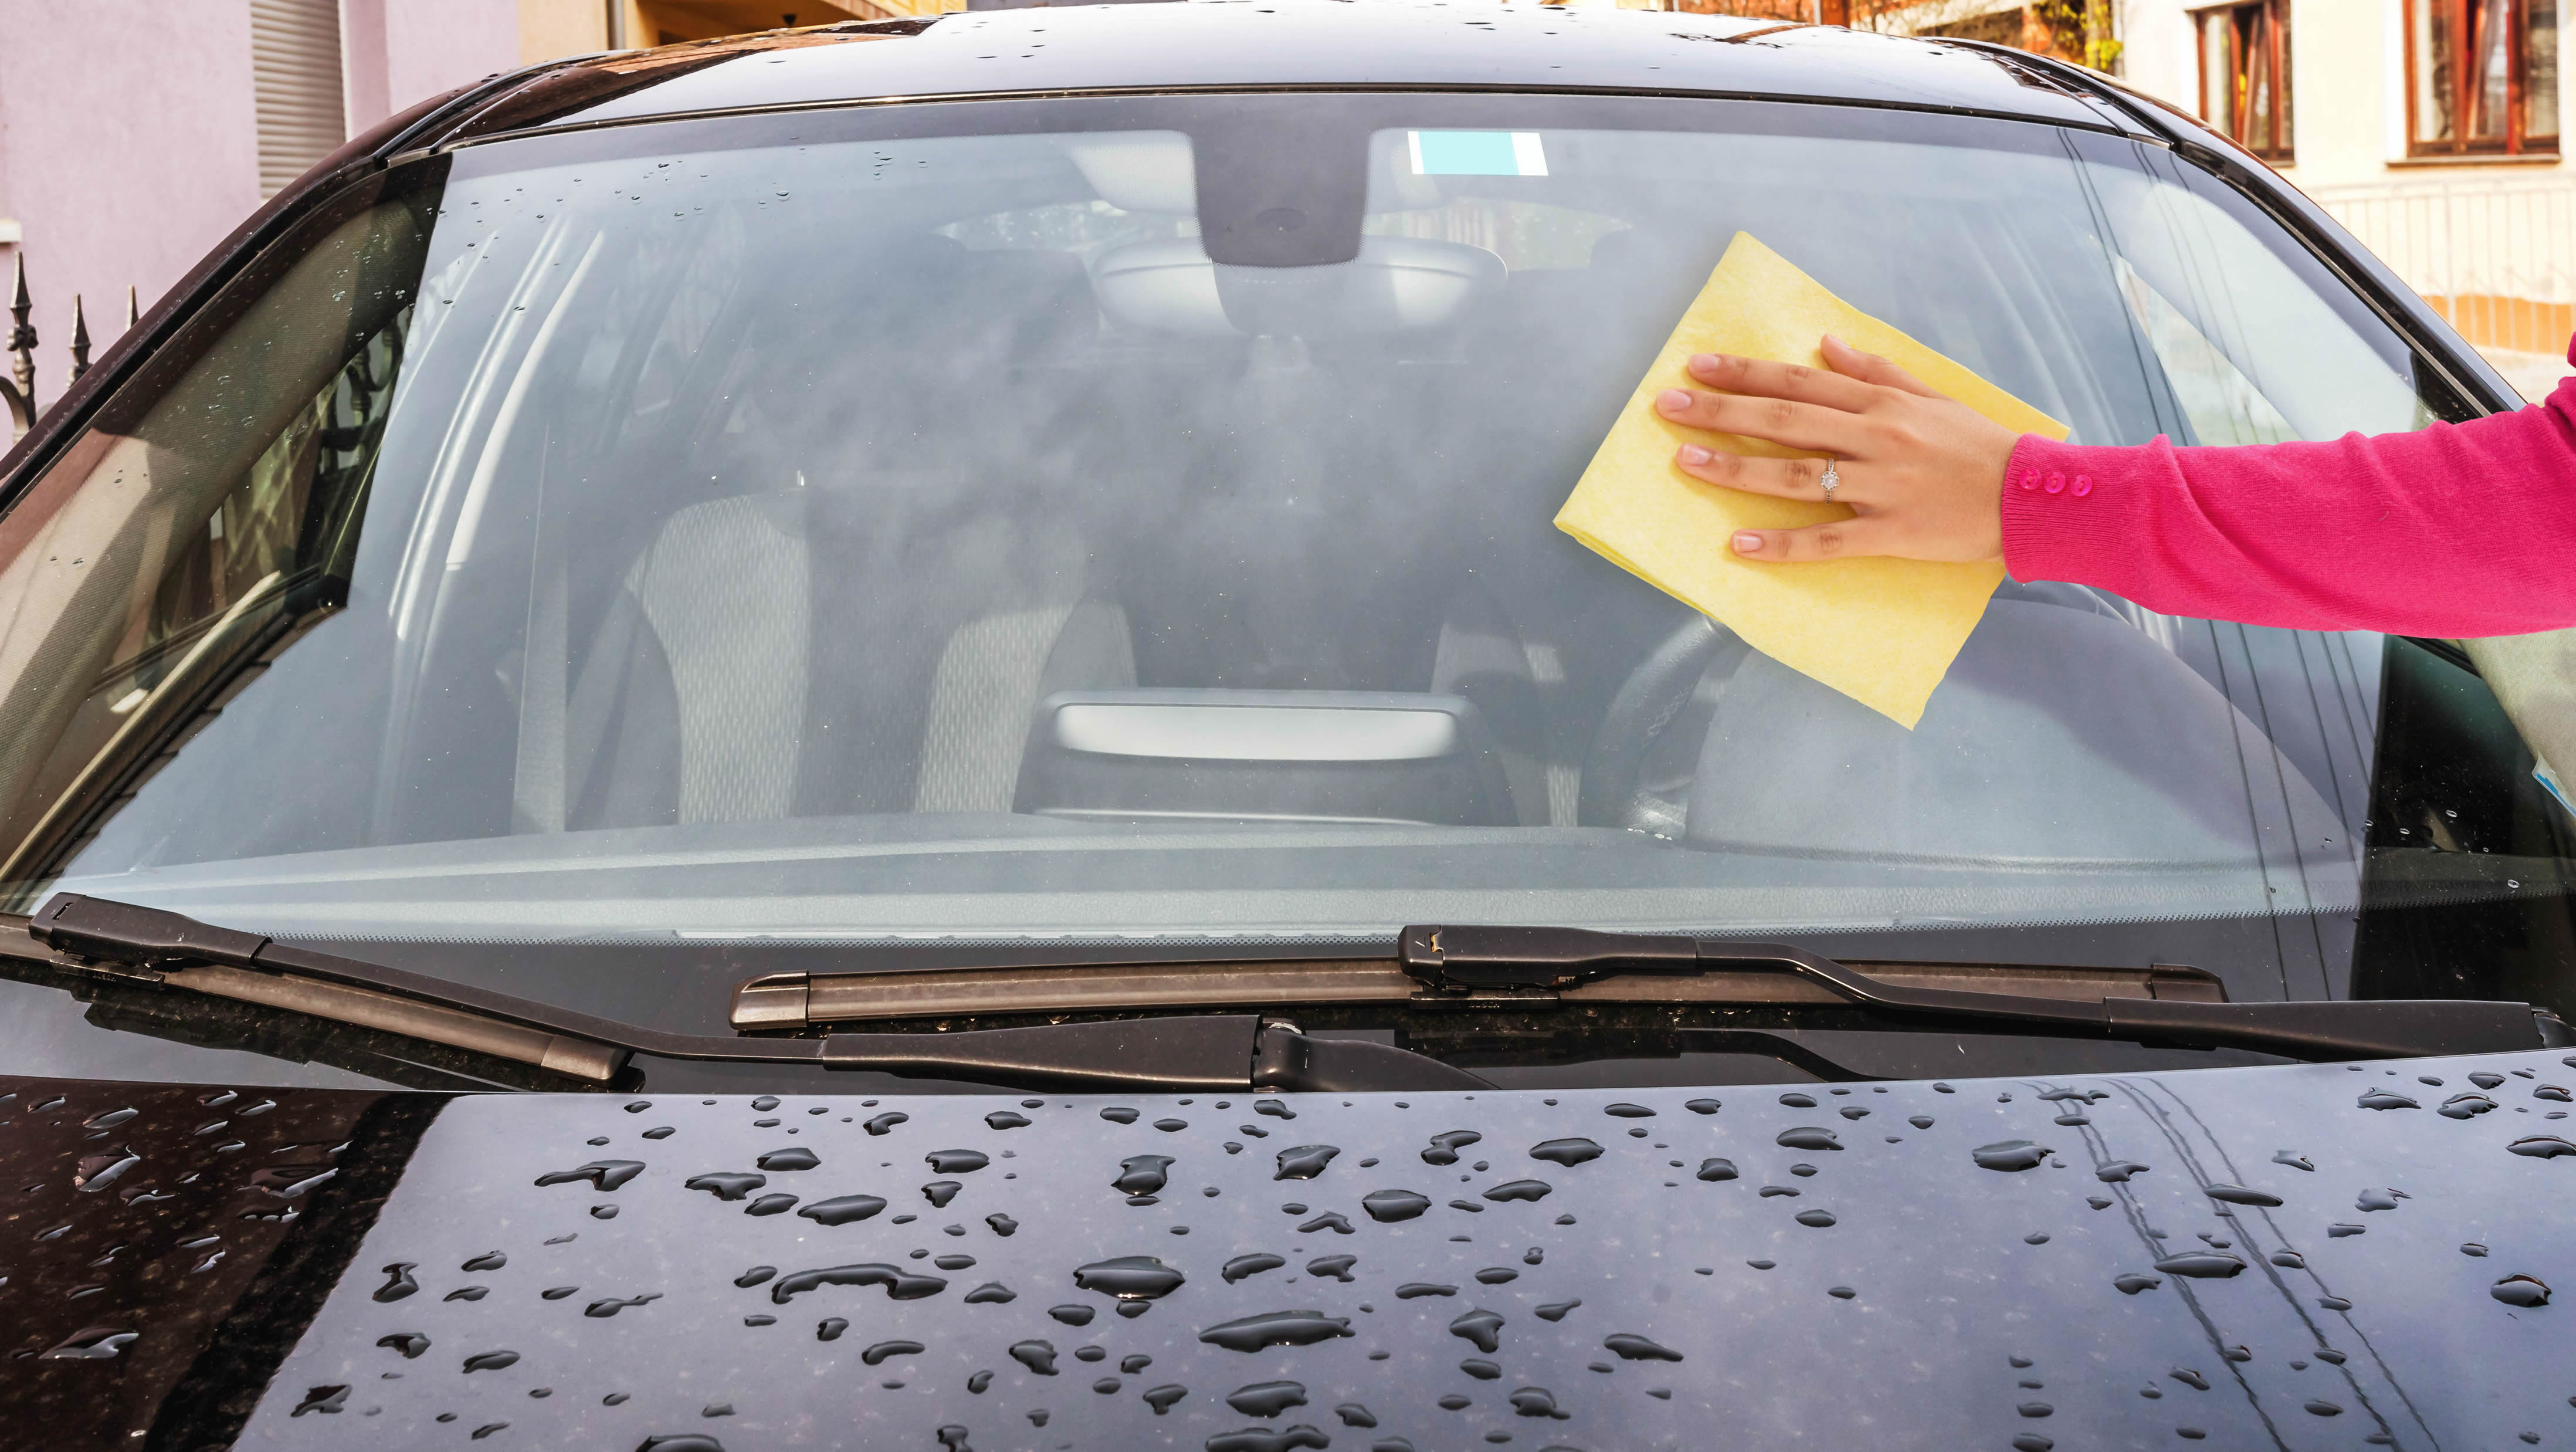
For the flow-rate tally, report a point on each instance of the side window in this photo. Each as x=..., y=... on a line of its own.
x=2253, y=347
x=2221, y=404
x=207, y=515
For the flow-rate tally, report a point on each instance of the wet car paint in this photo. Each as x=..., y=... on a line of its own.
x=1227, y=44
x=2080, y=1262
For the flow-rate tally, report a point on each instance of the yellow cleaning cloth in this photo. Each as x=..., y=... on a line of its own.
x=1880, y=631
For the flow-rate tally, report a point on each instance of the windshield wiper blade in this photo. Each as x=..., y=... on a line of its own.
x=1198, y=1052
x=1471, y=958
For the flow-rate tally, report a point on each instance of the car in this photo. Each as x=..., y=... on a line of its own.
x=874, y=737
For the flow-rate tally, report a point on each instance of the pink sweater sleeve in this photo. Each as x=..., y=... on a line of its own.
x=2454, y=530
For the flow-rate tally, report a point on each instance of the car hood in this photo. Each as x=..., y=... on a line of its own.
x=2280, y=1256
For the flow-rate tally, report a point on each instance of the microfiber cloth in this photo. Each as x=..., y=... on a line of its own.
x=1881, y=631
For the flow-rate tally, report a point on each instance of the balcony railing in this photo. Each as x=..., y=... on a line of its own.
x=2498, y=258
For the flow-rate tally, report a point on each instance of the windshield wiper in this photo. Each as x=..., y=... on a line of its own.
x=1473, y=959
x=1199, y=1052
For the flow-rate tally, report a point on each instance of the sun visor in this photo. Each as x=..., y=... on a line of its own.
x=1393, y=285
x=1140, y=171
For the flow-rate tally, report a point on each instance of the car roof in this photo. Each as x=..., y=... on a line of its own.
x=1273, y=44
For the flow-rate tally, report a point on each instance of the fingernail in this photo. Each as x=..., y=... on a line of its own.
x=1706, y=362
x=1747, y=543
x=1673, y=400
x=1837, y=342
x=1694, y=455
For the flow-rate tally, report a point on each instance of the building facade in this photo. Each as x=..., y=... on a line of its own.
x=134, y=134
x=2430, y=128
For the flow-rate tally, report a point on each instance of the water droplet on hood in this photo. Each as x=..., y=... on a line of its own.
x=2239, y=1195
x=842, y=1209
x=1305, y=1161
x=1276, y=1328
x=398, y=1281
x=953, y=1161
x=1511, y=1190
x=2385, y=1099
x=1566, y=1152
x=899, y=1284
x=1412, y=1290
x=1006, y=1119
x=1072, y=1313
x=1628, y=1111
x=2201, y=1265
x=1817, y=1219
x=2118, y=1172
x=883, y=1349
x=2011, y=1155
x=2519, y=1290
x=883, y=1123
x=1262, y=1439
x=1266, y=1399
x=1390, y=1206
x=1480, y=1327
x=1142, y=1174
x=1631, y=1347
x=602, y=1174
x=2542, y=1147
x=1445, y=1146
x=1251, y=1265
x=1129, y=1278
x=491, y=1360
x=1037, y=1356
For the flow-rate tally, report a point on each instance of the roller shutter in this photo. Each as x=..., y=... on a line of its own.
x=295, y=85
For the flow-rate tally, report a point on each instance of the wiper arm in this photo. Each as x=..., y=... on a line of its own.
x=1201, y=1052
x=1467, y=959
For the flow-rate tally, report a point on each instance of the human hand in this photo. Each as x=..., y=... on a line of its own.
x=1923, y=474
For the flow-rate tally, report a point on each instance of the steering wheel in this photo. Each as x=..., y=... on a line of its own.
x=1648, y=703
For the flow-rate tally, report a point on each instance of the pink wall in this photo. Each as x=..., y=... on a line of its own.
x=127, y=150
x=427, y=46
x=128, y=140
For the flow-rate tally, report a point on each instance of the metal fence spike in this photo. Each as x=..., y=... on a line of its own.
x=22, y=343
x=80, y=339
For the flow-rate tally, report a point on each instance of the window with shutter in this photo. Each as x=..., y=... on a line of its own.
x=295, y=86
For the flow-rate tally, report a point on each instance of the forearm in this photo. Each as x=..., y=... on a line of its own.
x=2453, y=531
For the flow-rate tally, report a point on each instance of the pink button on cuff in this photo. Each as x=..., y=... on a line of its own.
x=2056, y=483
x=2083, y=485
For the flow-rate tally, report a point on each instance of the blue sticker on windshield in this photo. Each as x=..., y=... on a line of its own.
x=1476, y=153
x=2549, y=783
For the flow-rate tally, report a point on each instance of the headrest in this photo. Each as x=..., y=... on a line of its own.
x=1396, y=284
x=2059, y=736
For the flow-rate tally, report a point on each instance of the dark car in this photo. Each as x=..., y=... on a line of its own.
x=940, y=644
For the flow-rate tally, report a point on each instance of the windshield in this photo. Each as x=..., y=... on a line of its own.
x=891, y=527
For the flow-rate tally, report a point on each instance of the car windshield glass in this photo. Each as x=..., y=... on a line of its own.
x=891, y=525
